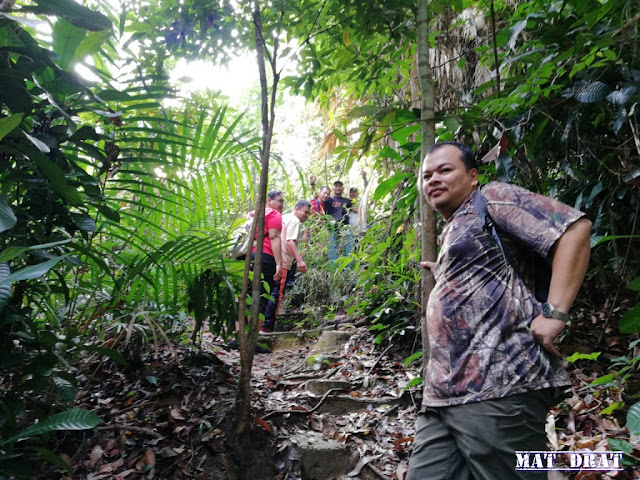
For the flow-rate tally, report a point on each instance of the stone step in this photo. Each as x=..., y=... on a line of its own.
x=287, y=340
x=322, y=458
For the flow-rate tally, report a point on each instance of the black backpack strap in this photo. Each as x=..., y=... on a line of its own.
x=480, y=205
x=541, y=270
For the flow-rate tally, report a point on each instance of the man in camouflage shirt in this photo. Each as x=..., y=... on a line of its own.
x=493, y=371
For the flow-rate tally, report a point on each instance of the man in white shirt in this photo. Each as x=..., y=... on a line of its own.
x=291, y=260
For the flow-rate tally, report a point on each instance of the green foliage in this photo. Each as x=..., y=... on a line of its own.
x=569, y=86
x=213, y=298
x=111, y=205
x=583, y=356
x=355, y=48
x=17, y=462
x=630, y=321
x=389, y=282
x=74, y=419
x=633, y=424
x=324, y=289
x=633, y=419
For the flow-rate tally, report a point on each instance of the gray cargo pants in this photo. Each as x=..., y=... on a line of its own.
x=478, y=441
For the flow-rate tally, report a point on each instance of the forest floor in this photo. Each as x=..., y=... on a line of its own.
x=169, y=415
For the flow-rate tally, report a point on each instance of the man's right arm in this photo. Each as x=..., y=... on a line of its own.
x=570, y=259
x=293, y=251
x=276, y=248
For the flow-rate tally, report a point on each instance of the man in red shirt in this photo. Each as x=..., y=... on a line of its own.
x=271, y=246
x=318, y=204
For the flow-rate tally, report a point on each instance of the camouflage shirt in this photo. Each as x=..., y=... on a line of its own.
x=479, y=311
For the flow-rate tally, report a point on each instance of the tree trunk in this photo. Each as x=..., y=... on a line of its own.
x=247, y=343
x=427, y=120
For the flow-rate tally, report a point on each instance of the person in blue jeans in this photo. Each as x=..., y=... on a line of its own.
x=341, y=237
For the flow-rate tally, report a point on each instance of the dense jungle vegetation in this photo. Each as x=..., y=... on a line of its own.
x=120, y=196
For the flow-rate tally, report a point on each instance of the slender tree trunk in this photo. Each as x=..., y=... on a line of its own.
x=427, y=119
x=247, y=343
x=495, y=47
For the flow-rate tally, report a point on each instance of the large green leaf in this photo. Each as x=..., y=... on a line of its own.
x=389, y=184
x=5, y=290
x=75, y=13
x=8, y=219
x=92, y=43
x=32, y=271
x=7, y=124
x=630, y=322
x=84, y=222
x=40, y=145
x=14, y=94
x=633, y=419
x=57, y=179
x=53, y=459
x=13, y=251
x=73, y=419
x=66, y=39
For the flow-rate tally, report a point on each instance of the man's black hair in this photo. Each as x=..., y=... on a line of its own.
x=353, y=189
x=273, y=194
x=468, y=157
x=303, y=203
x=338, y=182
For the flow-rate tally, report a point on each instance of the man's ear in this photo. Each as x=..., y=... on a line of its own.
x=474, y=176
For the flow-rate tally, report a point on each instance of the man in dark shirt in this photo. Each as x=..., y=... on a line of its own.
x=341, y=239
x=493, y=370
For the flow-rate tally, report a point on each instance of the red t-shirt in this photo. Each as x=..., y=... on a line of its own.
x=317, y=206
x=272, y=219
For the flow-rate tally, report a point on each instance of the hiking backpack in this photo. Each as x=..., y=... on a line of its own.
x=541, y=266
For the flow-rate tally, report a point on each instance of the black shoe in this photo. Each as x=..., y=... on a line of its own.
x=261, y=349
x=233, y=345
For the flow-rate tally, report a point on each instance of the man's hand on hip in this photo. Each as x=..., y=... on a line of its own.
x=545, y=330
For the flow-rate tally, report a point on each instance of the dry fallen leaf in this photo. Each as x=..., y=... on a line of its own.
x=552, y=434
x=112, y=467
x=176, y=414
x=96, y=454
x=65, y=458
x=149, y=458
x=263, y=424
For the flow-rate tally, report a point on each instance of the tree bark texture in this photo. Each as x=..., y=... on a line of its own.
x=247, y=343
x=427, y=120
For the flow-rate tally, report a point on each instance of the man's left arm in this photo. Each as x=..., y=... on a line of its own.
x=570, y=259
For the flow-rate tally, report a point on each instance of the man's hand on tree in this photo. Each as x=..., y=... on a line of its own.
x=431, y=266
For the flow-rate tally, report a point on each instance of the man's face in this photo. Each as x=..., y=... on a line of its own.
x=446, y=181
x=337, y=190
x=353, y=194
x=324, y=194
x=276, y=203
x=302, y=213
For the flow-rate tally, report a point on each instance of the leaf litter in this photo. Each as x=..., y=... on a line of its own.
x=172, y=418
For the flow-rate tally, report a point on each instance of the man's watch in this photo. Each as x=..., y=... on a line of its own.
x=549, y=311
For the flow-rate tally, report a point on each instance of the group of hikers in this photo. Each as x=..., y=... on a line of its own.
x=493, y=370
x=281, y=255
